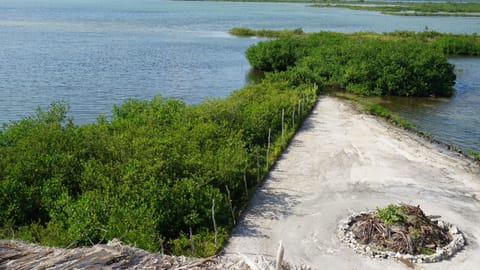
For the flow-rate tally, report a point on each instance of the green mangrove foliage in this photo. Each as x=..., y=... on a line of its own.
x=449, y=44
x=247, y=32
x=359, y=65
x=474, y=155
x=276, y=55
x=150, y=176
x=409, y=8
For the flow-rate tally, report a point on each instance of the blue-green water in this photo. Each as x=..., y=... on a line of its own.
x=94, y=54
x=455, y=121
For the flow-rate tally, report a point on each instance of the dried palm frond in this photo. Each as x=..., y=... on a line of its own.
x=418, y=234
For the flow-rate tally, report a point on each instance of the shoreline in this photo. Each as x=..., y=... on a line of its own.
x=343, y=161
x=406, y=125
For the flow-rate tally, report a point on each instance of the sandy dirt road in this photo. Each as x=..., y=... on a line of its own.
x=343, y=161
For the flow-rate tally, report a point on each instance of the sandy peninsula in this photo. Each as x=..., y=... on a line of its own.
x=344, y=161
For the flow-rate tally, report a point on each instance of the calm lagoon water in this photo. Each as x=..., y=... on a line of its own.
x=455, y=121
x=94, y=54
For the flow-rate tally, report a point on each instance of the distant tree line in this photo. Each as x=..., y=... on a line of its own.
x=411, y=8
x=449, y=44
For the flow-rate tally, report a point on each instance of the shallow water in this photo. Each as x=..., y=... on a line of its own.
x=94, y=54
x=455, y=121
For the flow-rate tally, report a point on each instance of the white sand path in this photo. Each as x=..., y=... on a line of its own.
x=343, y=161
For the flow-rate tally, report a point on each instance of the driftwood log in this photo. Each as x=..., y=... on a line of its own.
x=115, y=255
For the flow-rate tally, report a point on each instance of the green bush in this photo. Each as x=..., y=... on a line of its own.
x=275, y=55
x=242, y=32
x=462, y=45
x=361, y=66
x=246, y=32
x=146, y=177
x=475, y=155
x=391, y=214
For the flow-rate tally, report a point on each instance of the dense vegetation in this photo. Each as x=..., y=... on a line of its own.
x=264, y=33
x=363, y=66
x=409, y=8
x=449, y=44
x=405, y=8
x=150, y=176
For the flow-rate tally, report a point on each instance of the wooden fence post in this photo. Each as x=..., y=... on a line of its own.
x=280, y=253
x=258, y=165
x=303, y=103
x=230, y=204
x=283, y=126
x=192, y=244
x=293, y=119
x=300, y=101
x=162, y=249
x=268, y=145
x=214, y=222
x=245, y=182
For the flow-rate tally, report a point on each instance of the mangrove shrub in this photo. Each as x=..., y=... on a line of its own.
x=360, y=66
x=148, y=176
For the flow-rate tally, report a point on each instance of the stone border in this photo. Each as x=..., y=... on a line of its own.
x=347, y=237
